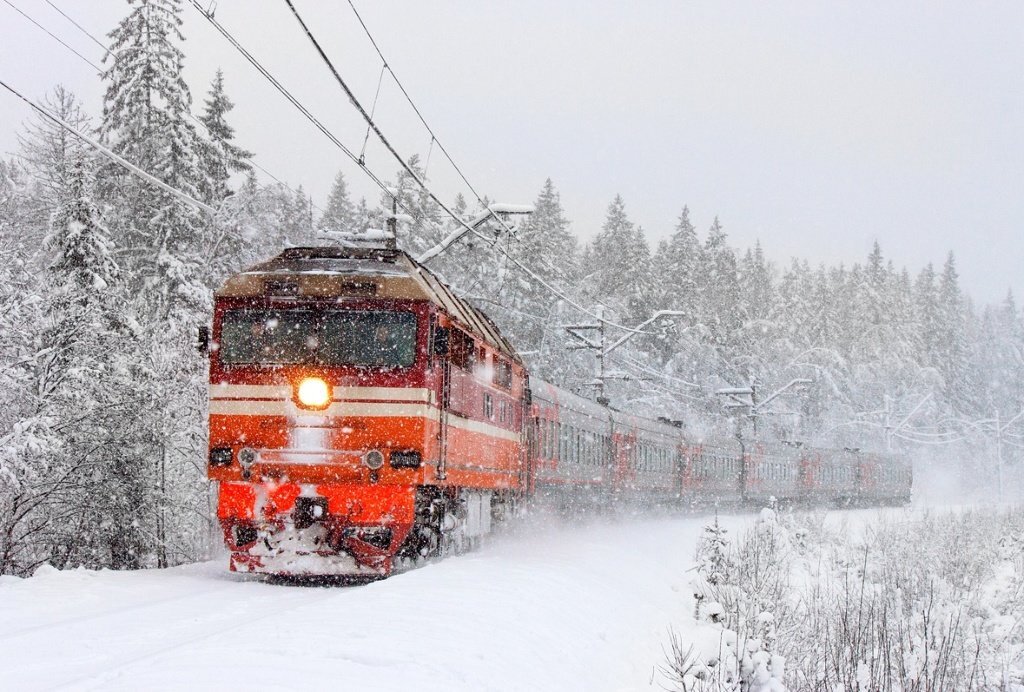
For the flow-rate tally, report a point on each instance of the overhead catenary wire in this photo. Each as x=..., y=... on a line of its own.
x=127, y=165
x=80, y=27
x=250, y=160
x=53, y=36
x=302, y=109
x=194, y=202
x=369, y=118
x=288, y=95
x=355, y=102
x=433, y=136
x=385, y=65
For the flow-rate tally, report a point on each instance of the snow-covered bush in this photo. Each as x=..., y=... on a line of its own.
x=735, y=590
x=910, y=602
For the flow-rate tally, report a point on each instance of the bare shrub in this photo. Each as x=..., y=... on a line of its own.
x=909, y=603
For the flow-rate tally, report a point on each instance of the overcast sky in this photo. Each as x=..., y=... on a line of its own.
x=816, y=127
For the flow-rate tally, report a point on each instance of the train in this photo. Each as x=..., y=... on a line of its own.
x=363, y=417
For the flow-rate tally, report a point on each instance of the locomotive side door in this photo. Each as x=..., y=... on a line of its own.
x=439, y=351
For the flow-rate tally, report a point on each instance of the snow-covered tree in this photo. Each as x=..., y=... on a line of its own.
x=146, y=120
x=427, y=225
x=678, y=266
x=165, y=248
x=620, y=264
x=220, y=157
x=721, y=306
x=340, y=214
x=51, y=153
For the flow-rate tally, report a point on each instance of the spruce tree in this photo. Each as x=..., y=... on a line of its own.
x=219, y=155
x=954, y=322
x=721, y=308
x=620, y=264
x=545, y=245
x=82, y=335
x=165, y=248
x=339, y=215
x=145, y=120
x=679, y=265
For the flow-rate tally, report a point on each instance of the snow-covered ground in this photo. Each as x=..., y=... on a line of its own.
x=543, y=608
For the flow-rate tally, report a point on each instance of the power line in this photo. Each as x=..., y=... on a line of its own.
x=80, y=28
x=185, y=197
x=366, y=116
x=433, y=137
x=302, y=109
x=53, y=36
x=138, y=171
x=369, y=119
x=99, y=70
x=287, y=94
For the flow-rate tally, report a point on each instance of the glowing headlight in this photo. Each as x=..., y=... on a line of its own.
x=314, y=393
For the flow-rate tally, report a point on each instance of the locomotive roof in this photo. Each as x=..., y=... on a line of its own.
x=339, y=272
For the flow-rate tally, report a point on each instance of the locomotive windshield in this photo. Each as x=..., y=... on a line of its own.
x=376, y=338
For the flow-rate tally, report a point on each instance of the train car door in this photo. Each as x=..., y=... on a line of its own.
x=439, y=352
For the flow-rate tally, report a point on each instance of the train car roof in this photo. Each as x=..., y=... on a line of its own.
x=546, y=391
x=363, y=272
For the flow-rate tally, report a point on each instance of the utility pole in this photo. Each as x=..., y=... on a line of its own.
x=392, y=242
x=582, y=332
x=601, y=352
x=746, y=398
x=1000, y=431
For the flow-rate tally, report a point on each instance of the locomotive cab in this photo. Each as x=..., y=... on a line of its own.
x=331, y=381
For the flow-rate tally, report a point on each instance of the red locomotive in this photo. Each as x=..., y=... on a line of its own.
x=361, y=414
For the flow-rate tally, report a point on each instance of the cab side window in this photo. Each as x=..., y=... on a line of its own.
x=462, y=349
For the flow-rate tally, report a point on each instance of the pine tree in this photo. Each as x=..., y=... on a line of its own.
x=165, y=248
x=84, y=252
x=928, y=310
x=621, y=264
x=297, y=217
x=549, y=250
x=756, y=285
x=679, y=265
x=953, y=324
x=339, y=215
x=721, y=308
x=80, y=334
x=426, y=227
x=219, y=155
x=145, y=120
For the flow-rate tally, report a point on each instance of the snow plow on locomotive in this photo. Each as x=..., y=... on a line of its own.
x=361, y=415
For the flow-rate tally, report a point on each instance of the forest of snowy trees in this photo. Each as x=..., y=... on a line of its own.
x=106, y=279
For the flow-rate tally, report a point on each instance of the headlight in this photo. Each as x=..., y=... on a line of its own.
x=374, y=460
x=314, y=393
